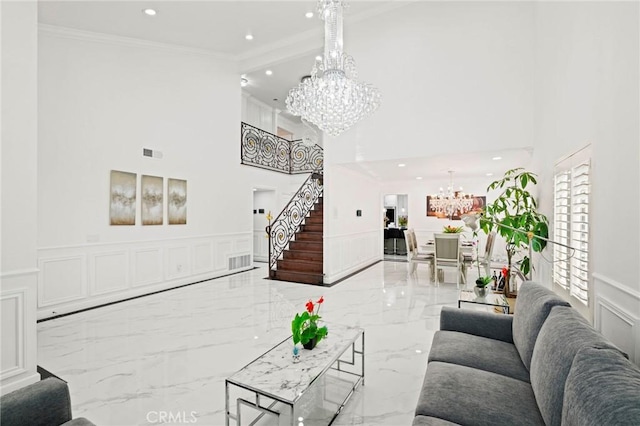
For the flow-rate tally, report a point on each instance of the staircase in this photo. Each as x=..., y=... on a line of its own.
x=302, y=261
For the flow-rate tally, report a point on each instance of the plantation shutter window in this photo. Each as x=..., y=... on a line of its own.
x=571, y=224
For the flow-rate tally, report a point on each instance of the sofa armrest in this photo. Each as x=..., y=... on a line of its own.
x=44, y=403
x=484, y=324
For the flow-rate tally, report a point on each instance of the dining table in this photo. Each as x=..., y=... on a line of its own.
x=466, y=248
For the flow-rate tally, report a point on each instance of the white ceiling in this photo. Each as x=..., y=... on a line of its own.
x=217, y=26
x=464, y=165
x=285, y=41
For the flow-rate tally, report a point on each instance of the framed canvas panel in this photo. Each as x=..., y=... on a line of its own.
x=177, y=201
x=478, y=205
x=122, y=198
x=432, y=213
x=152, y=194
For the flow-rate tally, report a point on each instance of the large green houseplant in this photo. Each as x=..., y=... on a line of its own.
x=514, y=215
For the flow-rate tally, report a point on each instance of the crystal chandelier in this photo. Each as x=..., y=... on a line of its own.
x=452, y=203
x=332, y=98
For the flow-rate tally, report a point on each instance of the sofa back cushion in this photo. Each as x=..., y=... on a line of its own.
x=602, y=388
x=43, y=403
x=563, y=334
x=533, y=307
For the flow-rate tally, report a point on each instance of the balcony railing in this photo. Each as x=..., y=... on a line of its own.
x=268, y=151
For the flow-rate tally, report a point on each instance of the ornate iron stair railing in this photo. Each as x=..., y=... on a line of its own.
x=283, y=228
x=268, y=151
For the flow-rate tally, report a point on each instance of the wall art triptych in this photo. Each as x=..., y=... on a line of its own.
x=123, y=196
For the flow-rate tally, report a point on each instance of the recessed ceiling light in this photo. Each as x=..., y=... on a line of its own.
x=150, y=12
x=268, y=72
x=497, y=158
x=309, y=14
x=243, y=82
x=419, y=177
x=489, y=174
x=418, y=351
x=248, y=37
x=318, y=58
x=401, y=165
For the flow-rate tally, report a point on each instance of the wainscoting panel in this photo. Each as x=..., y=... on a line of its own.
x=19, y=348
x=617, y=314
x=12, y=304
x=177, y=262
x=260, y=246
x=117, y=271
x=62, y=279
x=348, y=253
x=243, y=245
x=202, y=258
x=108, y=272
x=147, y=266
x=221, y=254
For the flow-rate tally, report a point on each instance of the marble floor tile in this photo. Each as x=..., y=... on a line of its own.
x=171, y=352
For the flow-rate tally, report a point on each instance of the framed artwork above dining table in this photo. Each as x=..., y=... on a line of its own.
x=478, y=204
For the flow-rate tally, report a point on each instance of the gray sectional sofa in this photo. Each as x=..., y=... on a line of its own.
x=545, y=365
x=44, y=403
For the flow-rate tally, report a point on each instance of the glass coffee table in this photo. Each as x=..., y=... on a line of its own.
x=491, y=299
x=274, y=389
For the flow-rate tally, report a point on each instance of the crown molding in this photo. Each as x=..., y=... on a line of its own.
x=83, y=35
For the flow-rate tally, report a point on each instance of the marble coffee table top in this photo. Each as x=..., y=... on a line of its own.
x=274, y=374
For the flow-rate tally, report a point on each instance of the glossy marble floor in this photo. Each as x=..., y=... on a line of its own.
x=171, y=352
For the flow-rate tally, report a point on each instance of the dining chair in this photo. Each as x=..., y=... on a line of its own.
x=415, y=243
x=413, y=258
x=485, y=261
x=448, y=254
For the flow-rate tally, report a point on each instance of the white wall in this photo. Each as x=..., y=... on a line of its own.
x=586, y=80
x=258, y=114
x=101, y=100
x=18, y=273
x=350, y=242
x=454, y=76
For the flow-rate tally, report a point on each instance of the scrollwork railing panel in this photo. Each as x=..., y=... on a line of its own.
x=268, y=151
x=263, y=149
x=282, y=229
x=305, y=158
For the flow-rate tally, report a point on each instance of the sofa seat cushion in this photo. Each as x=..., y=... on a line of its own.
x=478, y=352
x=602, y=388
x=430, y=421
x=458, y=393
x=532, y=309
x=562, y=335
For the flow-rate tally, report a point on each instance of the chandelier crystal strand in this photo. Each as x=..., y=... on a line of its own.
x=451, y=203
x=332, y=98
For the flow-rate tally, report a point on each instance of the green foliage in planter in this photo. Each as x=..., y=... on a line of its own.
x=516, y=207
x=483, y=281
